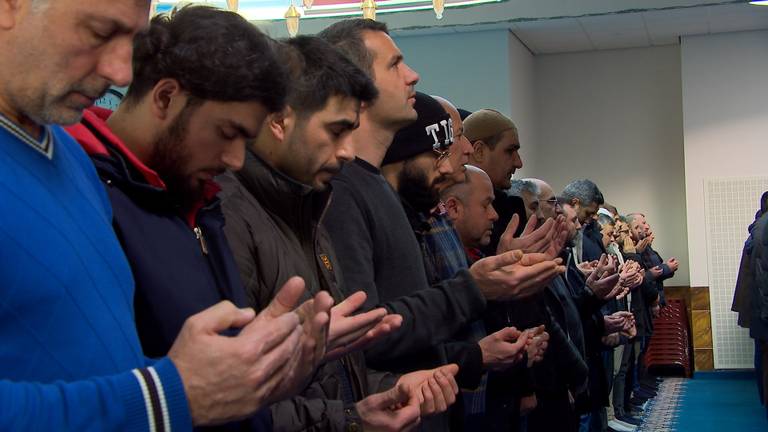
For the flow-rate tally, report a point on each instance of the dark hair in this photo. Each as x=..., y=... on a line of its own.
x=317, y=71
x=212, y=53
x=347, y=37
x=585, y=190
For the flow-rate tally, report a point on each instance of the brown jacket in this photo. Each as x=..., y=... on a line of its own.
x=273, y=227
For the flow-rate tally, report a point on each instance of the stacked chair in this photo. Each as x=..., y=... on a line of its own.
x=669, y=351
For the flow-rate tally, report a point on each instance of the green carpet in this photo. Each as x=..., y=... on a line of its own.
x=722, y=401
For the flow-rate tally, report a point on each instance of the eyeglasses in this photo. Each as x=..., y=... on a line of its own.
x=552, y=201
x=441, y=156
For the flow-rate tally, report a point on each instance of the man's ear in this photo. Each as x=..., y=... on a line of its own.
x=478, y=153
x=167, y=99
x=454, y=208
x=9, y=13
x=575, y=202
x=281, y=123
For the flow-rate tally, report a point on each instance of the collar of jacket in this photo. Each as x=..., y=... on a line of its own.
x=281, y=195
x=418, y=220
x=116, y=163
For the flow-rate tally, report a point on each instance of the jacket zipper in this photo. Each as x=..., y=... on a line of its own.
x=201, y=240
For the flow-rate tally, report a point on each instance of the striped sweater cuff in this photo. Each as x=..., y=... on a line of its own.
x=162, y=405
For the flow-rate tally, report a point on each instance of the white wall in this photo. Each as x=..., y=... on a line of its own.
x=487, y=69
x=725, y=106
x=452, y=66
x=523, y=99
x=615, y=117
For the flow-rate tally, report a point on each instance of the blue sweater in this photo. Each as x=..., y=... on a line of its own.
x=70, y=358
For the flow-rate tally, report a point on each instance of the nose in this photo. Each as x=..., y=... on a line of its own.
x=233, y=156
x=445, y=167
x=493, y=215
x=345, y=150
x=518, y=161
x=411, y=76
x=115, y=62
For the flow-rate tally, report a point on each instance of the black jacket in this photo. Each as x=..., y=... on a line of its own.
x=643, y=297
x=593, y=326
x=181, y=262
x=379, y=254
x=758, y=326
x=742, y=295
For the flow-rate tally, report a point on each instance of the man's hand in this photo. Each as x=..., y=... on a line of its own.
x=514, y=275
x=586, y=268
x=538, y=341
x=557, y=239
x=348, y=332
x=227, y=378
x=604, y=281
x=532, y=239
x=643, y=244
x=528, y=404
x=436, y=388
x=673, y=264
x=617, y=321
x=656, y=272
x=611, y=340
x=631, y=275
x=655, y=310
x=504, y=348
x=548, y=239
x=390, y=411
x=630, y=327
x=629, y=245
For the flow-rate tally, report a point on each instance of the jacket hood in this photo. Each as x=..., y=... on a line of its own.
x=110, y=154
x=94, y=123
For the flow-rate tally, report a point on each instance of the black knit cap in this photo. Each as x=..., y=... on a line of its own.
x=432, y=130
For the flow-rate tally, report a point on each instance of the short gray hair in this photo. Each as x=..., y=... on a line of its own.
x=585, y=190
x=518, y=187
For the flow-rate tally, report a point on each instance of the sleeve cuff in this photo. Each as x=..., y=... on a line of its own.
x=155, y=399
x=352, y=420
x=471, y=369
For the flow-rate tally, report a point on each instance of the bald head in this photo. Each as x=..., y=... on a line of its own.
x=470, y=207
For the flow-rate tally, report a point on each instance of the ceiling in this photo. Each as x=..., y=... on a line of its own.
x=556, y=26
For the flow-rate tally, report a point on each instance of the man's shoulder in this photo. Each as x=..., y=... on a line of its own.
x=237, y=203
x=502, y=198
x=760, y=232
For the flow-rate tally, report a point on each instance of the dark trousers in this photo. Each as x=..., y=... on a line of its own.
x=553, y=413
x=761, y=370
x=620, y=394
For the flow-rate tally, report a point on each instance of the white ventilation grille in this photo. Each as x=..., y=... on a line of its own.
x=730, y=205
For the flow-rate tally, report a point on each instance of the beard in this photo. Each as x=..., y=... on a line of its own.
x=415, y=189
x=169, y=159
